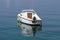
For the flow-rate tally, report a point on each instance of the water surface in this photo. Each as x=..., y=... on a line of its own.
x=48, y=10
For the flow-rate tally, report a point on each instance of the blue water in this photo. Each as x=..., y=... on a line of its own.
x=48, y=10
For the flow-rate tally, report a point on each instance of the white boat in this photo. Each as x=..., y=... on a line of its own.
x=29, y=17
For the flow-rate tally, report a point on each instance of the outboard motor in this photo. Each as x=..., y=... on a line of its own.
x=34, y=20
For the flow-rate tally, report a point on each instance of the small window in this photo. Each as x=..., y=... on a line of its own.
x=21, y=14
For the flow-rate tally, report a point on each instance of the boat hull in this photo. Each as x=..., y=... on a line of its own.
x=29, y=22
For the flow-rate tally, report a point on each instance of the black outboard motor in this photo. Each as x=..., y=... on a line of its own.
x=34, y=20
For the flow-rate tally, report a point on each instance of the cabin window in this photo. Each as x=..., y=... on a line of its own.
x=29, y=15
x=21, y=14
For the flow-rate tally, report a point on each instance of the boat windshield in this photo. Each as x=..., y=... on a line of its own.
x=28, y=11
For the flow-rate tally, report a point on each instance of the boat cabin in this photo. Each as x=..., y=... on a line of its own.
x=28, y=13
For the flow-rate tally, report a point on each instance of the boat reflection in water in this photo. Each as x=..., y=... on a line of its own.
x=28, y=30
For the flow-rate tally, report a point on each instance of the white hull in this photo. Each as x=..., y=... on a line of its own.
x=26, y=21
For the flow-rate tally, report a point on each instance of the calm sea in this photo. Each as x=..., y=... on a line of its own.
x=49, y=13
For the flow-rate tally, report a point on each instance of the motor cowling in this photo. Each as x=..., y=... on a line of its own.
x=34, y=20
